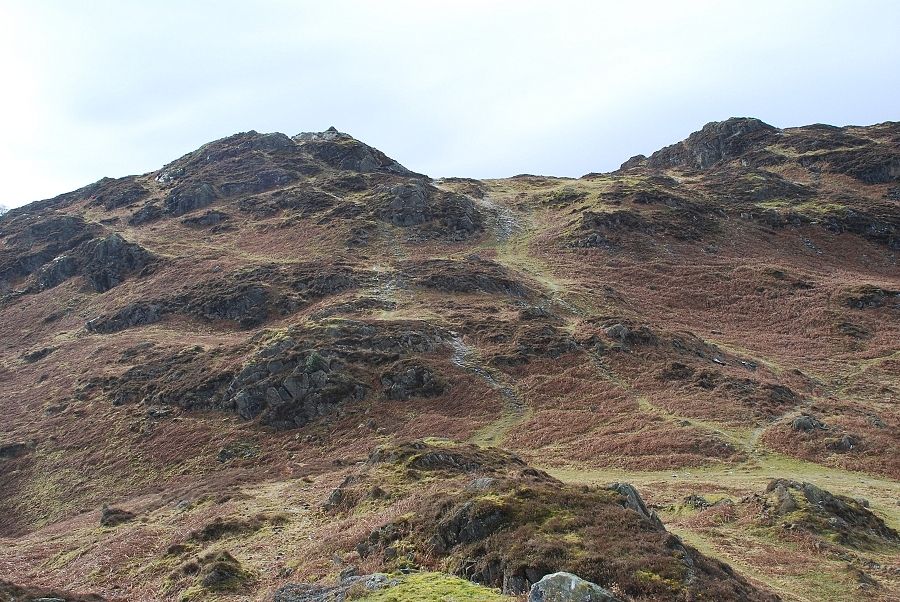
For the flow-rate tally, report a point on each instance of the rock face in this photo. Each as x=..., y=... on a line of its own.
x=566, y=587
x=104, y=263
x=245, y=298
x=306, y=373
x=438, y=213
x=342, y=151
x=717, y=142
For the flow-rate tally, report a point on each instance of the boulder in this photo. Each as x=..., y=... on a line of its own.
x=566, y=587
x=632, y=501
x=111, y=517
x=349, y=588
x=807, y=423
x=12, y=450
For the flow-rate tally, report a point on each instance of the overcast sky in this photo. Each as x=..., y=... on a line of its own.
x=479, y=89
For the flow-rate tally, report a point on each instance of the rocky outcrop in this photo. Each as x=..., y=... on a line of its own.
x=807, y=423
x=10, y=592
x=806, y=507
x=104, y=262
x=303, y=374
x=9, y=451
x=472, y=275
x=409, y=379
x=115, y=194
x=32, y=240
x=717, y=142
x=341, y=151
x=245, y=298
x=435, y=213
x=130, y=316
x=293, y=389
x=210, y=219
x=189, y=197
x=566, y=587
x=868, y=296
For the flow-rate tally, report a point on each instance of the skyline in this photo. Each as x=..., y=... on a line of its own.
x=471, y=89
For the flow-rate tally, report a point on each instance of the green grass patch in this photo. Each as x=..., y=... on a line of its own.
x=435, y=587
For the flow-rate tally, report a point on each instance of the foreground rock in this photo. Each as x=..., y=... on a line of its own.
x=349, y=588
x=566, y=587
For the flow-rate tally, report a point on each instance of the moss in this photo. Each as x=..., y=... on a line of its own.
x=651, y=578
x=432, y=587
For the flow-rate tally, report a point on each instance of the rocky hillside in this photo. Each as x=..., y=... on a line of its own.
x=287, y=367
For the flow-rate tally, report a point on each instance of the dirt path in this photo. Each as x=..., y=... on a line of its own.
x=515, y=410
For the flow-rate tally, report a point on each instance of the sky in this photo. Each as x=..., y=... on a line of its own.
x=477, y=89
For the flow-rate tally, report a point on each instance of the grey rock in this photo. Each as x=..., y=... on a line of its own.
x=135, y=314
x=304, y=592
x=146, y=214
x=632, y=500
x=807, y=423
x=411, y=380
x=12, y=450
x=566, y=587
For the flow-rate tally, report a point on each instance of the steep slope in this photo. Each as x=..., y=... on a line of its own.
x=226, y=337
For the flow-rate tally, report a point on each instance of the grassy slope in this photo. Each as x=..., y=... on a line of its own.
x=586, y=419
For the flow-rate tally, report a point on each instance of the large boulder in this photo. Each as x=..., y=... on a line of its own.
x=566, y=587
x=345, y=590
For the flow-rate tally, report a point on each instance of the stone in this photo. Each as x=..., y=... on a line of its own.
x=12, y=450
x=566, y=587
x=112, y=517
x=632, y=500
x=349, y=588
x=806, y=424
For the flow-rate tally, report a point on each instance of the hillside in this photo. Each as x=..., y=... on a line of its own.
x=281, y=360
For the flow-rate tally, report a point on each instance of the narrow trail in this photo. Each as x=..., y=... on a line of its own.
x=388, y=280
x=500, y=219
x=515, y=410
